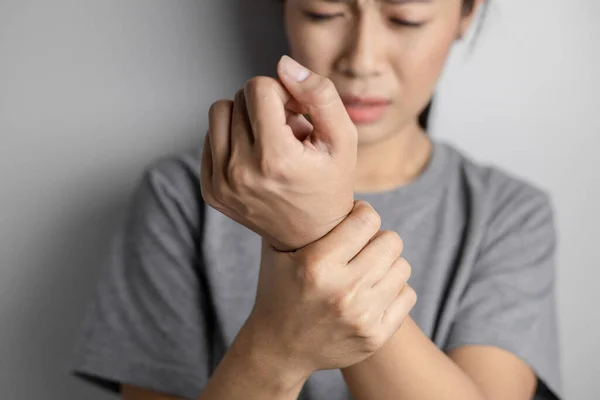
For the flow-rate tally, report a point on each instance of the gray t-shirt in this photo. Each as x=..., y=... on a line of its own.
x=180, y=277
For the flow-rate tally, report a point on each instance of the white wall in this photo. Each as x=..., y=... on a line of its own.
x=523, y=99
x=92, y=91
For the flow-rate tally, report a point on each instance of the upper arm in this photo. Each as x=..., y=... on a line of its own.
x=505, y=330
x=146, y=325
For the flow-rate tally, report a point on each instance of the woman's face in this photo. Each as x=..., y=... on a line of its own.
x=384, y=56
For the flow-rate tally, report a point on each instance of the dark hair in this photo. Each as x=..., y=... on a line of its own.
x=468, y=6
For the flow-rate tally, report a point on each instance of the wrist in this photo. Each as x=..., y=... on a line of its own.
x=302, y=239
x=267, y=362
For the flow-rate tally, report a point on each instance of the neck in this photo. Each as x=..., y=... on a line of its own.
x=392, y=162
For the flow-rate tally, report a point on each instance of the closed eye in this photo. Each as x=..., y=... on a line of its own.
x=320, y=17
x=409, y=24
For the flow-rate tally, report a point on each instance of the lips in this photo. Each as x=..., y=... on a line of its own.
x=365, y=109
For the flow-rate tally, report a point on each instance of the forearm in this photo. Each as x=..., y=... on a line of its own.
x=249, y=373
x=410, y=367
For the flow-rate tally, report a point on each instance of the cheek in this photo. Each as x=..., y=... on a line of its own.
x=315, y=52
x=420, y=62
x=314, y=47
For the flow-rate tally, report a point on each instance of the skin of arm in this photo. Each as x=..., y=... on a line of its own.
x=411, y=367
x=244, y=373
x=403, y=369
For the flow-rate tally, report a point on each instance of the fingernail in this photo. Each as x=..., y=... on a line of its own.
x=292, y=69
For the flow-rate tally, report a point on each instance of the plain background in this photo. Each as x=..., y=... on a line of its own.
x=91, y=92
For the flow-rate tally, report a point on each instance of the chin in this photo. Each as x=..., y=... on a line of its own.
x=374, y=133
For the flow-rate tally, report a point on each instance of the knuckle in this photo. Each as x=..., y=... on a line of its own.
x=353, y=288
x=252, y=84
x=366, y=215
x=342, y=305
x=239, y=177
x=239, y=94
x=393, y=242
x=219, y=107
x=405, y=268
x=399, y=274
x=373, y=342
x=258, y=85
x=411, y=295
x=273, y=167
x=361, y=324
x=212, y=108
x=313, y=275
x=239, y=98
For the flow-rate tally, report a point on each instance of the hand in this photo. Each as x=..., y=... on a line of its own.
x=267, y=167
x=334, y=302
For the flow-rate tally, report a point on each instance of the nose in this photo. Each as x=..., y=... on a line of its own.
x=364, y=48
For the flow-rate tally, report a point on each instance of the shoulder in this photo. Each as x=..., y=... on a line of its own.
x=508, y=201
x=169, y=187
x=178, y=170
x=512, y=271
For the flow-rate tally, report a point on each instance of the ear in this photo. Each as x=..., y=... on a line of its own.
x=467, y=19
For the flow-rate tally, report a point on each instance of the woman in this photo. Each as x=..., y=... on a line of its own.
x=312, y=300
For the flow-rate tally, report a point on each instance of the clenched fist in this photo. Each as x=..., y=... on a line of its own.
x=267, y=167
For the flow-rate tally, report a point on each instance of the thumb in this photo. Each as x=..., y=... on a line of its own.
x=319, y=97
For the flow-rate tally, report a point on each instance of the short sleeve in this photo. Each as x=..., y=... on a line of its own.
x=509, y=301
x=145, y=325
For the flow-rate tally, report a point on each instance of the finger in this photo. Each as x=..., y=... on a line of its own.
x=219, y=123
x=301, y=127
x=266, y=99
x=347, y=239
x=393, y=317
x=331, y=122
x=374, y=261
x=241, y=131
x=388, y=288
x=206, y=172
